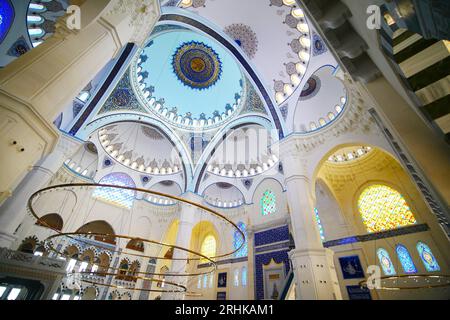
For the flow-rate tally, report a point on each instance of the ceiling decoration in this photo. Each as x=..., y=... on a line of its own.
x=129, y=144
x=319, y=46
x=280, y=25
x=300, y=45
x=244, y=36
x=228, y=197
x=321, y=101
x=167, y=187
x=312, y=86
x=197, y=65
x=229, y=161
x=345, y=155
x=152, y=133
x=42, y=17
x=122, y=98
x=185, y=78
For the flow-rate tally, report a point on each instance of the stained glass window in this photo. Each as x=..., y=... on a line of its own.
x=120, y=197
x=244, y=277
x=428, y=259
x=268, y=203
x=236, y=278
x=405, y=259
x=205, y=280
x=385, y=262
x=383, y=208
x=208, y=247
x=237, y=241
x=319, y=224
x=211, y=280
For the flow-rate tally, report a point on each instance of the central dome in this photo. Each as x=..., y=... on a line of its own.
x=188, y=78
x=197, y=65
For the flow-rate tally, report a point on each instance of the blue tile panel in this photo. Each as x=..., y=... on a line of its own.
x=267, y=237
x=264, y=259
x=271, y=236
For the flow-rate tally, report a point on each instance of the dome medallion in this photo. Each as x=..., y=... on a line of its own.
x=196, y=65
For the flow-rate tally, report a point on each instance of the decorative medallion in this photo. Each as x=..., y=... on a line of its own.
x=18, y=48
x=197, y=65
x=318, y=45
x=244, y=36
x=311, y=88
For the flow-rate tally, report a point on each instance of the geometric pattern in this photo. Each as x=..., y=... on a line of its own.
x=237, y=241
x=208, y=247
x=122, y=98
x=196, y=65
x=383, y=208
x=268, y=203
x=244, y=36
x=120, y=197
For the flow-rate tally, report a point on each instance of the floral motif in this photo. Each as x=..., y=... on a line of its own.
x=244, y=36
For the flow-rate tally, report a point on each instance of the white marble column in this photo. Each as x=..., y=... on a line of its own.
x=36, y=87
x=185, y=226
x=314, y=270
x=14, y=209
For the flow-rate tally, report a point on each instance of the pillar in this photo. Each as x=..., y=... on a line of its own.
x=37, y=86
x=14, y=210
x=313, y=265
x=184, y=234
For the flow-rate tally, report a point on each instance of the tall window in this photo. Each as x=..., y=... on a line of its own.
x=236, y=278
x=385, y=262
x=268, y=203
x=319, y=224
x=208, y=247
x=119, y=197
x=383, y=208
x=244, y=277
x=428, y=259
x=237, y=241
x=405, y=259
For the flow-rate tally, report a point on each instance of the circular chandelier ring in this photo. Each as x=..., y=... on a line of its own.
x=161, y=194
x=115, y=286
x=363, y=283
x=72, y=234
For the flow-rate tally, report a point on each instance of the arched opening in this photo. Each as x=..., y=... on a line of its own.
x=99, y=227
x=52, y=220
